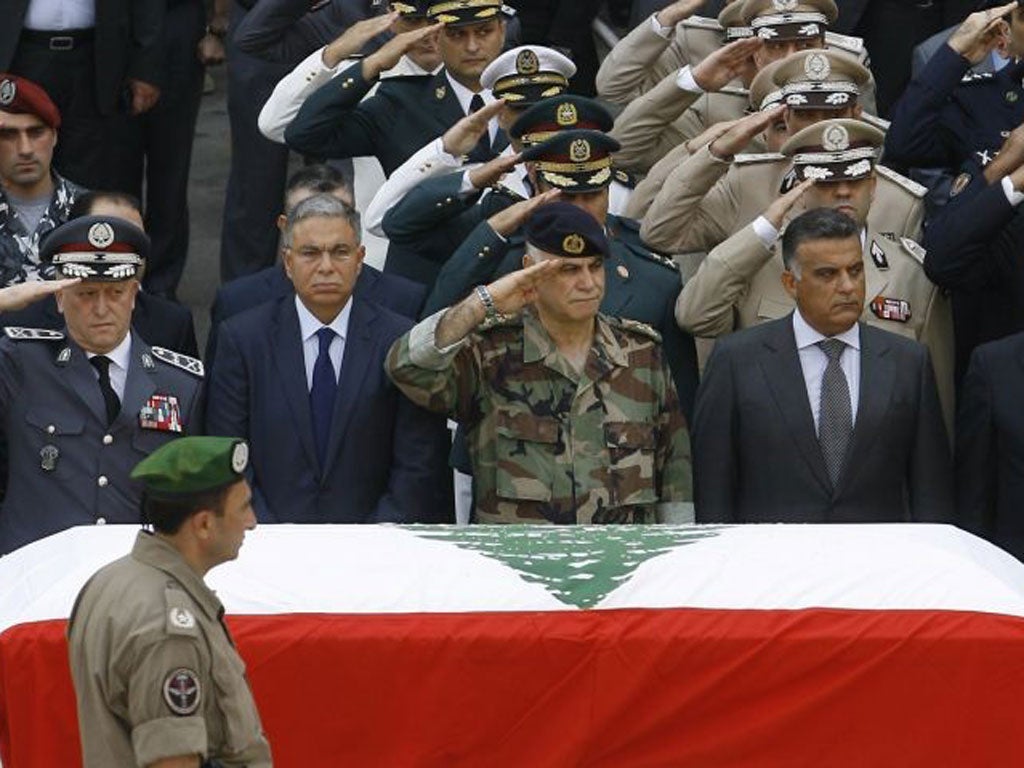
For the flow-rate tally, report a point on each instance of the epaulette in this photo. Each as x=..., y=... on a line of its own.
x=880, y=123
x=735, y=90
x=702, y=22
x=890, y=236
x=16, y=333
x=914, y=248
x=758, y=157
x=911, y=186
x=972, y=78
x=636, y=244
x=501, y=189
x=635, y=326
x=624, y=178
x=180, y=617
x=178, y=360
x=846, y=42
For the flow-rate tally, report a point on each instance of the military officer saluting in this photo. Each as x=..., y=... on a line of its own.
x=82, y=406
x=571, y=416
x=739, y=284
x=157, y=676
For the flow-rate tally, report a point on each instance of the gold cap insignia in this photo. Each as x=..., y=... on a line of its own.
x=440, y=92
x=527, y=62
x=566, y=114
x=574, y=244
x=579, y=151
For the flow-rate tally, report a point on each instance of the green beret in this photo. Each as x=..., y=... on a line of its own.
x=192, y=465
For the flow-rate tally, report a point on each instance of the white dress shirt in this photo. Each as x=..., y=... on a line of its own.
x=120, y=358
x=464, y=95
x=308, y=327
x=57, y=15
x=813, y=361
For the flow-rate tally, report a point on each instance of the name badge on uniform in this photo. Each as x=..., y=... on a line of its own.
x=897, y=310
x=162, y=413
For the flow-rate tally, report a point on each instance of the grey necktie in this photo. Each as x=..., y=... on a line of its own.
x=835, y=416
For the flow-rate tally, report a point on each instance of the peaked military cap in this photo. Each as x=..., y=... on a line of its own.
x=96, y=248
x=764, y=93
x=459, y=13
x=562, y=229
x=19, y=96
x=191, y=465
x=561, y=113
x=789, y=19
x=411, y=9
x=574, y=161
x=835, y=150
x=528, y=74
x=731, y=20
x=820, y=79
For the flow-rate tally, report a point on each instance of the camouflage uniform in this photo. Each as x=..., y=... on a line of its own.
x=549, y=444
x=19, y=248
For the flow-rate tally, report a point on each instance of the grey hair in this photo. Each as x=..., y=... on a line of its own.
x=816, y=224
x=325, y=206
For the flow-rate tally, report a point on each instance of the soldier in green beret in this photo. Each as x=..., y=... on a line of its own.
x=157, y=676
x=570, y=416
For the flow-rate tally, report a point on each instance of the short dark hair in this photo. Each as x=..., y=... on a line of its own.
x=85, y=202
x=168, y=515
x=319, y=178
x=816, y=224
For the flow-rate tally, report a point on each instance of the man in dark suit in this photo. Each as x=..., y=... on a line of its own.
x=302, y=378
x=100, y=62
x=391, y=291
x=990, y=445
x=405, y=112
x=815, y=417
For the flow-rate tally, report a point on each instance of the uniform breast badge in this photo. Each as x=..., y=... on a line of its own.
x=162, y=413
x=48, y=456
x=897, y=310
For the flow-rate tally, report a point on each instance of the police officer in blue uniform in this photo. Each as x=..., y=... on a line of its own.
x=82, y=406
x=640, y=285
x=948, y=115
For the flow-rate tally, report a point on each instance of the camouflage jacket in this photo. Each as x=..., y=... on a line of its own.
x=19, y=248
x=549, y=444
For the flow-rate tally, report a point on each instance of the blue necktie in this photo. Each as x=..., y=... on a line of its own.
x=322, y=393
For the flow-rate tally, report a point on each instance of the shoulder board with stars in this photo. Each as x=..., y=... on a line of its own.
x=178, y=360
x=760, y=157
x=880, y=123
x=972, y=78
x=16, y=333
x=917, y=190
x=634, y=326
x=735, y=90
x=624, y=178
x=501, y=189
x=914, y=248
x=702, y=22
x=846, y=42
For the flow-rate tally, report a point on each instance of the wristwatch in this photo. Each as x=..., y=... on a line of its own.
x=491, y=313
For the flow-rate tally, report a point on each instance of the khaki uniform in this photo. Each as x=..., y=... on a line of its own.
x=643, y=196
x=549, y=444
x=705, y=200
x=739, y=285
x=156, y=673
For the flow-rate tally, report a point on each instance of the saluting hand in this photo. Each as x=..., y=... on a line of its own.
x=462, y=137
x=517, y=289
x=678, y=11
x=777, y=212
x=491, y=172
x=388, y=54
x=726, y=64
x=512, y=218
x=19, y=296
x=352, y=40
x=740, y=135
x=981, y=33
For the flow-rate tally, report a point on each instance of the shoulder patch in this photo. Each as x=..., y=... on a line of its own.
x=762, y=157
x=633, y=326
x=17, y=333
x=879, y=122
x=917, y=190
x=180, y=617
x=182, y=691
x=624, y=178
x=846, y=42
x=702, y=22
x=914, y=248
x=178, y=360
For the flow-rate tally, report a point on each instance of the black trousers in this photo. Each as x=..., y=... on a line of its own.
x=93, y=150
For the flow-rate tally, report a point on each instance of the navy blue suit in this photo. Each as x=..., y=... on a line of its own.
x=391, y=291
x=385, y=456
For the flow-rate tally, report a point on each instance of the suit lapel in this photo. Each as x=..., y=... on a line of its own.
x=449, y=111
x=82, y=379
x=877, y=376
x=290, y=365
x=782, y=371
x=355, y=363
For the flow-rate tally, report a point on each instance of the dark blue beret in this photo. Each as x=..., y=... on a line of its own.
x=562, y=229
x=95, y=248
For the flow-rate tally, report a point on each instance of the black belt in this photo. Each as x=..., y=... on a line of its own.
x=57, y=40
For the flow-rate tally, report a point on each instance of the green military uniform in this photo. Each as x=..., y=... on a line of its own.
x=156, y=672
x=548, y=443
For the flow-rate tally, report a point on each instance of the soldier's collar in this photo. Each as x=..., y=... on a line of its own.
x=604, y=339
x=537, y=344
x=157, y=552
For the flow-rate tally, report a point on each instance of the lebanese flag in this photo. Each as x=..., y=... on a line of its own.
x=596, y=647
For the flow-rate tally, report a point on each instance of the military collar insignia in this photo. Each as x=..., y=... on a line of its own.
x=186, y=363
x=8, y=90
x=64, y=356
x=1011, y=97
x=959, y=184
x=147, y=362
x=16, y=333
x=914, y=248
x=440, y=92
x=878, y=256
